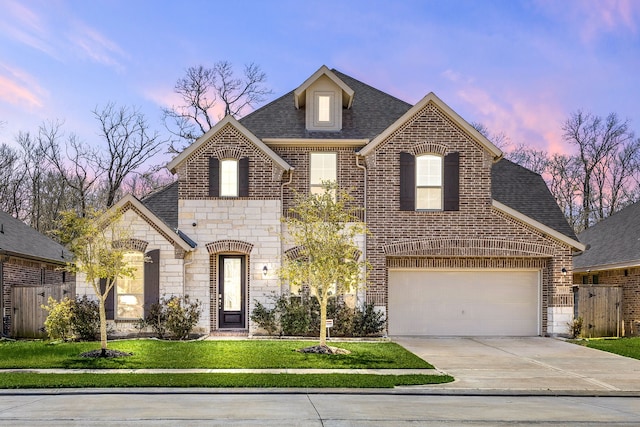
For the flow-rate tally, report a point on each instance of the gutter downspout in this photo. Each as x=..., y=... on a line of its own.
x=364, y=214
x=282, y=203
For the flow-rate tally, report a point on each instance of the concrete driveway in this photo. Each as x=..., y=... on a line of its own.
x=526, y=364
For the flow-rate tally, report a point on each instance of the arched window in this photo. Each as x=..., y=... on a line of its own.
x=429, y=182
x=130, y=290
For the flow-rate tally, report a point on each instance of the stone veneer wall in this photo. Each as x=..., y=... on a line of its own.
x=476, y=218
x=254, y=225
x=171, y=265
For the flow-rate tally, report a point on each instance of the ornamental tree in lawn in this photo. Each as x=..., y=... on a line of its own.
x=98, y=246
x=324, y=227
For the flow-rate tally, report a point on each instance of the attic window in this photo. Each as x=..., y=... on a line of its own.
x=324, y=108
x=324, y=116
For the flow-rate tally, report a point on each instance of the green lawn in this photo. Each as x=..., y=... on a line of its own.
x=252, y=354
x=629, y=347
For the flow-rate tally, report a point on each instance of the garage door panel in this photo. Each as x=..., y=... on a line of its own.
x=464, y=303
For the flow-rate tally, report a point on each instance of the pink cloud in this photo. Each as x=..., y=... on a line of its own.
x=25, y=26
x=168, y=98
x=533, y=119
x=18, y=88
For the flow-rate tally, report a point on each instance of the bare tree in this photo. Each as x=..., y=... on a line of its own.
x=12, y=182
x=200, y=91
x=596, y=139
x=500, y=139
x=564, y=178
x=130, y=144
x=78, y=167
x=530, y=158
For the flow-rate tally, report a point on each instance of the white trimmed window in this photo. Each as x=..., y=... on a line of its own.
x=429, y=182
x=323, y=167
x=229, y=178
x=129, y=299
x=324, y=106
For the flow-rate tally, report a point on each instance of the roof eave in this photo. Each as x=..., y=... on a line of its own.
x=612, y=266
x=574, y=244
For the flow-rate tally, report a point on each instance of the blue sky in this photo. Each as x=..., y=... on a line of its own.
x=519, y=67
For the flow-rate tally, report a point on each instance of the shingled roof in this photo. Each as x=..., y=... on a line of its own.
x=614, y=241
x=371, y=113
x=164, y=203
x=526, y=192
x=20, y=240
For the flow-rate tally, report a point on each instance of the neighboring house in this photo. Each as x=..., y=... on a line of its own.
x=30, y=264
x=461, y=243
x=612, y=258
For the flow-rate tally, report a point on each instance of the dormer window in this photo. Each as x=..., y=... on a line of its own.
x=324, y=97
x=324, y=102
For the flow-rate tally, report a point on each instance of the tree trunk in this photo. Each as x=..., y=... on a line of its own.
x=103, y=325
x=323, y=322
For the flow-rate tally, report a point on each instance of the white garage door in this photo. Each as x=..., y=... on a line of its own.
x=464, y=303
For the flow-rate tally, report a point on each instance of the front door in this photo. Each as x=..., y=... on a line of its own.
x=231, y=291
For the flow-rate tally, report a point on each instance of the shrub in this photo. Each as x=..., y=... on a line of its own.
x=173, y=317
x=265, y=318
x=182, y=316
x=58, y=323
x=86, y=318
x=299, y=315
x=368, y=321
x=575, y=327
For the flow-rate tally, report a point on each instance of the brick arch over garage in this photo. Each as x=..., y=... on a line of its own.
x=297, y=252
x=467, y=248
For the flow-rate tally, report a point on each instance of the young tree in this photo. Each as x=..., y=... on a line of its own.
x=201, y=89
x=93, y=241
x=323, y=227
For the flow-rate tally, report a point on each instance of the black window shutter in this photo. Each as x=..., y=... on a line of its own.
x=452, y=182
x=214, y=177
x=151, y=279
x=109, y=303
x=407, y=182
x=243, y=177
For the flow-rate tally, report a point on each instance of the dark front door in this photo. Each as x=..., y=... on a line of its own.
x=231, y=291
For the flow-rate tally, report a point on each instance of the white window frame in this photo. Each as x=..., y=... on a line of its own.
x=137, y=297
x=229, y=177
x=429, y=180
x=329, y=111
x=315, y=185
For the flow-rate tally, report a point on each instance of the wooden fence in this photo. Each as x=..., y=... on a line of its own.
x=600, y=309
x=28, y=315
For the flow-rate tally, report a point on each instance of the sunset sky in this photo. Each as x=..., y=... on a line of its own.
x=518, y=67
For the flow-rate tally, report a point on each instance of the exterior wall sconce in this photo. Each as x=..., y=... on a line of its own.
x=265, y=270
x=564, y=271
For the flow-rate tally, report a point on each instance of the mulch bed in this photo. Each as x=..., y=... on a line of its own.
x=323, y=349
x=108, y=353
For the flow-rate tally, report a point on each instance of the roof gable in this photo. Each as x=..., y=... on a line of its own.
x=230, y=121
x=299, y=94
x=164, y=203
x=444, y=108
x=19, y=239
x=129, y=201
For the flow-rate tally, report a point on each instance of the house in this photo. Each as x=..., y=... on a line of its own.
x=31, y=270
x=462, y=242
x=612, y=259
